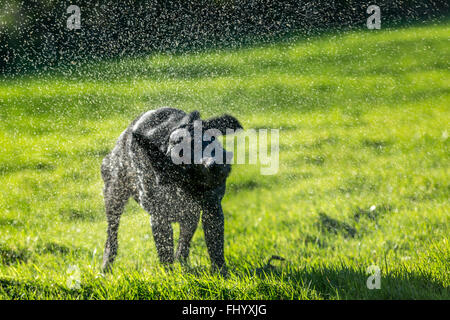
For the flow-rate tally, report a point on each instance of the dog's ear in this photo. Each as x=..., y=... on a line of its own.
x=191, y=117
x=188, y=120
x=222, y=123
x=156, y=136
x=153, y=138
x=152, y=133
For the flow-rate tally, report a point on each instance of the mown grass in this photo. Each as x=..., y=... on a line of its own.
x=363, y=177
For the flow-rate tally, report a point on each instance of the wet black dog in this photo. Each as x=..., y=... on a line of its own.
x=142, y=166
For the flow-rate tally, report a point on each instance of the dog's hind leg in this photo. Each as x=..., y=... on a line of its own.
x=116, y=196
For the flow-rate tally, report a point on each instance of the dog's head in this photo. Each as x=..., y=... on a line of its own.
x=194, y=144
x=188, y=149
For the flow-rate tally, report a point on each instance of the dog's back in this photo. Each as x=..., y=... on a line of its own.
x=127, y=164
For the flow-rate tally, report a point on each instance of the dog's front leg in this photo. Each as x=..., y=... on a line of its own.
x=163, y=235
x=213, y=227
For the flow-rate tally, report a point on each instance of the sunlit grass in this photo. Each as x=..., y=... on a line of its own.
x=363, y=119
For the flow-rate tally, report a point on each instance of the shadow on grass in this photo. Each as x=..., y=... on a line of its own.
x=347, y=283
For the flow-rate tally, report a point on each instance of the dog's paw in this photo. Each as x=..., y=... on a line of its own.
x=106, y=268
x=223, y=270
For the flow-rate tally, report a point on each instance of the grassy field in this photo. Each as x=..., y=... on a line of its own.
x=363, y=179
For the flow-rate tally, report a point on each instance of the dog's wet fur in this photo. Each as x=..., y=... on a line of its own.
x=140, y=166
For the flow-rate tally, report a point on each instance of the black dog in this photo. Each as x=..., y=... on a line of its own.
x=141, y=166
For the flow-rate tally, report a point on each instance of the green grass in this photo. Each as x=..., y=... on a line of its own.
x=363, y=119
